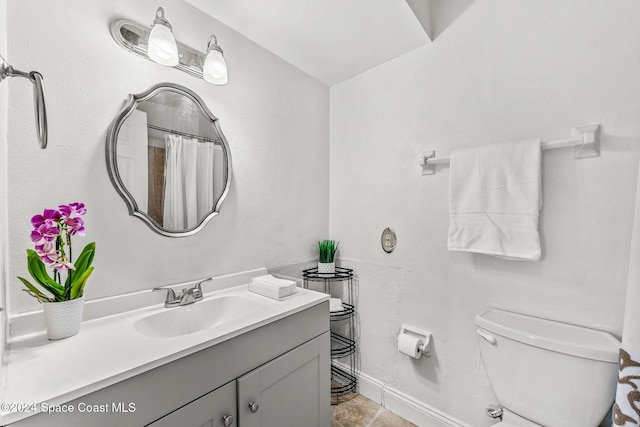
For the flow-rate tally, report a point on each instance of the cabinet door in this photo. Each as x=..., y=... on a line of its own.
x=290, y=391
x=211, y=410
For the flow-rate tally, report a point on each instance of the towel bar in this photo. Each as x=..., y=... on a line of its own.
x=585, y=143
x=40, y=109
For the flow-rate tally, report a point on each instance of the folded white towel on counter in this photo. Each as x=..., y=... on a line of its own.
x=274, y=281
x=335, y=304
x=495, y=196
x=272, y=287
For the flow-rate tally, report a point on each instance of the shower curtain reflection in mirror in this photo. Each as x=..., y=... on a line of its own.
x=188, y=186
x=169, y=160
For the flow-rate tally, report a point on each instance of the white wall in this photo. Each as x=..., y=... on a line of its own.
x=503, y=71
x=3, y=167
x=274, y=117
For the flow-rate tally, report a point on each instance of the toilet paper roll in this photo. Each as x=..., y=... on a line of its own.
x=410, y=345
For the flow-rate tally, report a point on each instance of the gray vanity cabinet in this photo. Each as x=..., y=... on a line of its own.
x=215, y=409
x=283, y=367
x=289, y=391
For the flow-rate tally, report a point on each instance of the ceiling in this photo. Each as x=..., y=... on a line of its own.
x=331, y=40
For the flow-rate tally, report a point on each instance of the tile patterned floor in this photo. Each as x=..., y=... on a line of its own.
x=362, y=412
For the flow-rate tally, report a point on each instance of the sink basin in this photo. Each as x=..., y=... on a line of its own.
x=173, y=322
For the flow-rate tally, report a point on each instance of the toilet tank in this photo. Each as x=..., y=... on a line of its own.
x=554, y=374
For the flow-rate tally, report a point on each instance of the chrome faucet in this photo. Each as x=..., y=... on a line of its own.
x=191, y=295
x=188, y=296
x=171, y=300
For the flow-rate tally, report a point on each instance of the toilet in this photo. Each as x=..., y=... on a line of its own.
x=546, y=373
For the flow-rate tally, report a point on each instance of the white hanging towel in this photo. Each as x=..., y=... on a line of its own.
x=495, y=196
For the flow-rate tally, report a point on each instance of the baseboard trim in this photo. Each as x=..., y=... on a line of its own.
x=413, y=410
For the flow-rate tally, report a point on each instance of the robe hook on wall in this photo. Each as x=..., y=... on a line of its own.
x=40, y=110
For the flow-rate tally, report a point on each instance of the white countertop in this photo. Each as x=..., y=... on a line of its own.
x=110, y=349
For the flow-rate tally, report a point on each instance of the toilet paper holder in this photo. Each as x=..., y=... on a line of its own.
x=422, y=334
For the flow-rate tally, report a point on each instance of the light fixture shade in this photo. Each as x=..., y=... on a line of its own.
x=215, y=67
x=162, y=45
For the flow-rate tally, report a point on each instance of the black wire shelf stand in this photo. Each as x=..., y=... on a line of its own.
x=344, y=383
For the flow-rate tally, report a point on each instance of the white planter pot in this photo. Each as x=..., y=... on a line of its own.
x=326, y=267
x=63, y=318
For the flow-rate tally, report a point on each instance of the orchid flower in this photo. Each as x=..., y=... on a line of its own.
x=72, y=209
x=63, y=264
x=45, y=226
x=49, y=217
x=51, y=236
x=45, y=233
x=47, y=253
x=76, y=226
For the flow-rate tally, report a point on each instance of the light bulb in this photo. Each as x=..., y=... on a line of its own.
x=215, y=67
x=162, y=44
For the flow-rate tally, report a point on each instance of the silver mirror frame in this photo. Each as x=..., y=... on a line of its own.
x=112, y=165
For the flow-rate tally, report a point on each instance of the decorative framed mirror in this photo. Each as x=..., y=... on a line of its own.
x=169, y=160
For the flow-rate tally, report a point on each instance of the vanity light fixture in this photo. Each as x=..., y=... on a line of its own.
x=215, y=67
x=156, y=44
x=162, y=44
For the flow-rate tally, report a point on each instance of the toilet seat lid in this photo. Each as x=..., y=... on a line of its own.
x=504, y=424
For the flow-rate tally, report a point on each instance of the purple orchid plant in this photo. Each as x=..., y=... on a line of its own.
x=51, y=235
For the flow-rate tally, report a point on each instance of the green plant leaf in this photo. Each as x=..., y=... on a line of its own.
x=326, y=250
x=35, y=292
x=82, y=263
x=86, y=257
x=77, y=287
x=36, y=267
x=38, y=271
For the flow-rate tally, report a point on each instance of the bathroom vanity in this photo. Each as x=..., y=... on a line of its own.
x=270, y=366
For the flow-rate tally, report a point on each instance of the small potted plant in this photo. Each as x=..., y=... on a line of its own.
x=326, y=253
x=62, y=295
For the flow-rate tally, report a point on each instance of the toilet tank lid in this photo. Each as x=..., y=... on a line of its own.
x=551, y=335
